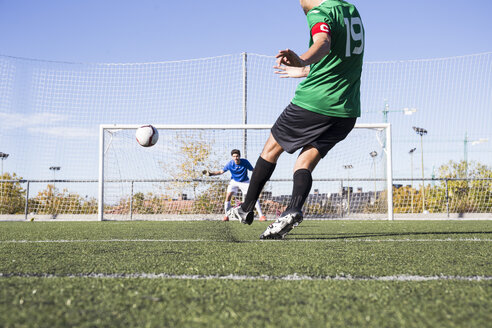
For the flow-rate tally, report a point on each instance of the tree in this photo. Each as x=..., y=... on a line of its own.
x=469, y=186
x=12, y=196
x=193, y=155
x=50, y=201
x=212, y=200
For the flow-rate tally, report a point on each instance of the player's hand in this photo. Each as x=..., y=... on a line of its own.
x=206, y=172
x=288, y=57
x=293, y=72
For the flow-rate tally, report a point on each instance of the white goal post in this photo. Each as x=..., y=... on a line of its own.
x=165, y=181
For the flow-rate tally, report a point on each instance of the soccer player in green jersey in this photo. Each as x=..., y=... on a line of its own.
x=323, y=111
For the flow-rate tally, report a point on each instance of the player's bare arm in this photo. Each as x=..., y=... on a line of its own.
x=212, y=173
x=319, y=49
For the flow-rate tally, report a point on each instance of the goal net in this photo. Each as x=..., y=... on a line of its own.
x=166, y=181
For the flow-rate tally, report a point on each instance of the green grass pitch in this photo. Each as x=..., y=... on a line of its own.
x=219, y=274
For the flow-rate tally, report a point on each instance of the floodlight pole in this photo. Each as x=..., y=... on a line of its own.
x=54, y=169
x=423, y=182
x=465, y=155
x=348, y=167
x=386, y=110
x=422, y=132
x=373, y=155
x=3, y=156
x=411, y=175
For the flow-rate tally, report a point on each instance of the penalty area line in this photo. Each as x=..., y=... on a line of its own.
x=293, y=277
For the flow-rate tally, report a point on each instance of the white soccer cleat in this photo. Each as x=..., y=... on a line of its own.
x=238, y=214
x=282, y=226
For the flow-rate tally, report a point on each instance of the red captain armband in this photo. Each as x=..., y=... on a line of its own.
x=320, y=28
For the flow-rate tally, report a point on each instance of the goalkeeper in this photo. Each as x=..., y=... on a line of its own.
x=239, y=180
x=323, y=111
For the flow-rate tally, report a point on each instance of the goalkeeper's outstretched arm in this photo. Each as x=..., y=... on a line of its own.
x=212, y=173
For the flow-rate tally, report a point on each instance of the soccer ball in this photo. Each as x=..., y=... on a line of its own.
x=147, y=135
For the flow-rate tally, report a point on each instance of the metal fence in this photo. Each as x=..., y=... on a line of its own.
x=76, y=199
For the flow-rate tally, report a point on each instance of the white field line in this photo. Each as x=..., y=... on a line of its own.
x=293, y=277
x=347, y=240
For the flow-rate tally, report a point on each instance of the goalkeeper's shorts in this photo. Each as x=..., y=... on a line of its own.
x=297, y=127
x=234, y=186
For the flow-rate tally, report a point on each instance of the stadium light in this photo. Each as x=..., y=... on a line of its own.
x=411, y=151
x=373, y=155
x=465, y=149
x=422, y=132
x=409, y=111
x=406, y=111
x=348, y=168
x=54, y=169
x=479, y=141
x=3, y=156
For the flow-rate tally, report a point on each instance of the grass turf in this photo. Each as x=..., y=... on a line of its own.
x=314, y=249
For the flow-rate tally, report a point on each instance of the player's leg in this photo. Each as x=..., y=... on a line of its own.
x=227, y=203
x=260, y=213
x=303, y=180
x=263, y=171
x=295, y=128
x=244, y=188
x=292, y=216
x=336, y=129
x=231, y=190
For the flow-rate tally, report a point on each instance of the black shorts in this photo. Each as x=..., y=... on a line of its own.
x=297, y=127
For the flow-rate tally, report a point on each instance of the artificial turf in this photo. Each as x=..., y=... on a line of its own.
x=220, y=275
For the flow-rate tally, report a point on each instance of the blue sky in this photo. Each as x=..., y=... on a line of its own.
x=151, y=30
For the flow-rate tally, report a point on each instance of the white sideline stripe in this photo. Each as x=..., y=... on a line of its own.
x=293, y=277
x=347, y=240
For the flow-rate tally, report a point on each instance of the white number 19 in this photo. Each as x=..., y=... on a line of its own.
x=352, y=35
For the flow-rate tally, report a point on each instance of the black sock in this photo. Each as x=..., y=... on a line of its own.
x=261, y=174
x=300, y=191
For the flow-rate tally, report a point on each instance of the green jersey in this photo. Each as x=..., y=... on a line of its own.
x=332, y=86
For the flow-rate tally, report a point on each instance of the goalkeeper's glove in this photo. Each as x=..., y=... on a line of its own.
x=206, y=172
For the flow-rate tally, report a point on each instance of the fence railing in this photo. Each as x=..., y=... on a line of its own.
x=444, y=197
